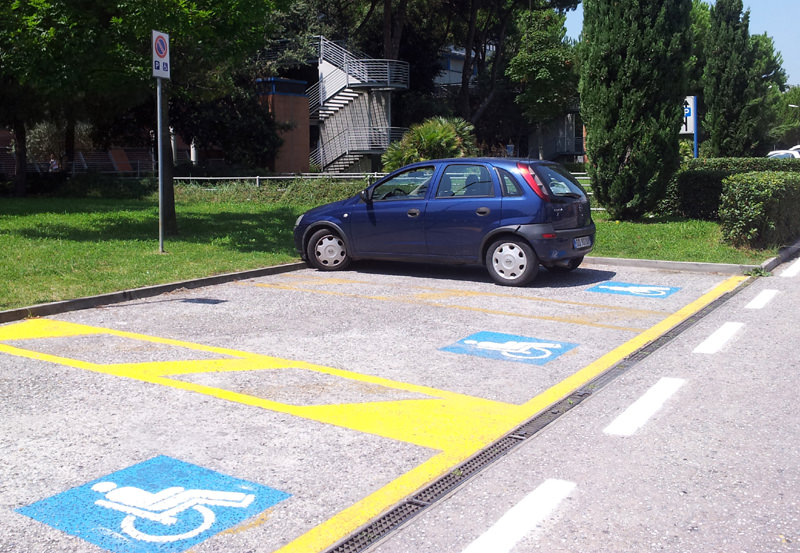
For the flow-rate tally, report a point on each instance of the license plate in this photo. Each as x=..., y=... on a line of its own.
x=582, y=242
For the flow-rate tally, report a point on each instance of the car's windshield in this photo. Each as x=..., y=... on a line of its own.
x=559, y=181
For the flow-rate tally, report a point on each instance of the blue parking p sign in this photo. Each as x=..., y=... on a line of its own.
x=162, y=504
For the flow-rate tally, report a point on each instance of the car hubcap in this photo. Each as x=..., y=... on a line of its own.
x=330, y=250
x=509, y=261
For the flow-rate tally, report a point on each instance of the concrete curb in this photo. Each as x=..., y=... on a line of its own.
x=784, y=254
x=686, y=266
x=44, y=309
x=54, y=308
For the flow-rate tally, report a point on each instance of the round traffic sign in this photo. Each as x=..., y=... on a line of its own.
x=161, y=46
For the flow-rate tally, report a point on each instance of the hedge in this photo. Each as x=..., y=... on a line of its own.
x=695, y=190
x=759, y=209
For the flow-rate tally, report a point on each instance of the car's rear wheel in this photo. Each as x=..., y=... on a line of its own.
x=327, y=251
x=565, y=266
x=511, y=262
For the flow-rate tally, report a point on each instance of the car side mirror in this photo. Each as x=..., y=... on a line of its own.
x=366, y=195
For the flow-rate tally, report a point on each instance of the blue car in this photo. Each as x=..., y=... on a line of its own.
x=510, y=215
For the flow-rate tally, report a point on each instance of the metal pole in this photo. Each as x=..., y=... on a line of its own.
x=160, y=169
x=696, y=119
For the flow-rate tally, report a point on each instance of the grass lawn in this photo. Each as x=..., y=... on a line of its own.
x=53, y=249
x=671, y=240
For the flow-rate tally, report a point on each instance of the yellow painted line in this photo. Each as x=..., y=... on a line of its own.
x=439, y=293
x=433, y=293
x=351, y=519
x=415, y=300
x=598, y=367
x=455, y=426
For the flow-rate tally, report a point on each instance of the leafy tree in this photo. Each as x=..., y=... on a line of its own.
x=700, y=23
x=787, y=130
x=767, y=79
x=237, y=123
x=435, y=138
x=544, y=67
x=481, y=27
x=632, y=85
x=92, y=59
x=725, y=78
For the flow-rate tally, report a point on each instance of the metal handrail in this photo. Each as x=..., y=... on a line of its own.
x=355, y=139
x=365, y=70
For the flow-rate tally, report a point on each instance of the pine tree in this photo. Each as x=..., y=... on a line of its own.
x=633, y=81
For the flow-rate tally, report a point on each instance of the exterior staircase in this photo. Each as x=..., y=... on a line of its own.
x=351, y=104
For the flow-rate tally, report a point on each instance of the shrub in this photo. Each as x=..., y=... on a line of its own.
x=435, y=138
x=94, y=185
x=758, y=209
x=695, y=190
x=575, y=167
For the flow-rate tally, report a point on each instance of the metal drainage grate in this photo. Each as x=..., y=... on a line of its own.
x=402, y=513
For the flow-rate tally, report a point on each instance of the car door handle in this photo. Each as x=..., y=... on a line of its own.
x=413, y=212
x=483, y=211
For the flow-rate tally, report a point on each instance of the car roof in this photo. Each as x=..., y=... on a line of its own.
x=492, y=160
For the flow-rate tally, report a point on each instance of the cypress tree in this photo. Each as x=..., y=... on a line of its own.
x=725, y=80
x=633, y=81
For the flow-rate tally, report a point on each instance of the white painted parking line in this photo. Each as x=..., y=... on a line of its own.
x=792, y=270
x=522, y=518
x=719, y=338
x=640, y=411
x=762, y=299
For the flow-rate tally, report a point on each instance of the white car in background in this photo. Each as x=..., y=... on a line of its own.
x=794, y=151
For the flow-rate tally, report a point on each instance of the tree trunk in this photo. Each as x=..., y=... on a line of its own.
x=539, y=139
x=69, y=144
x=21, y=157
x=466, y=73
x=393, y=23
x=168, y=205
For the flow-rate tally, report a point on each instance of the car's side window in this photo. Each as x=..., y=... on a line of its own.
x=463, y=180
x=408, y=185
x=508, y=184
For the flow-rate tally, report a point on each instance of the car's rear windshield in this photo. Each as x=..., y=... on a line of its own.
x=559, y=181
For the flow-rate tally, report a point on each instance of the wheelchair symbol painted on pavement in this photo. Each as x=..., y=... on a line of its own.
x=163, y=507
x=496, y=345
x=641, y=290
x=159, y=505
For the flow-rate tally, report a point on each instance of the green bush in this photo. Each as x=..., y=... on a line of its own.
x=95, y=185
x=434, y=138
x=300, y=191
x=759, y=209
x=575, y=167
x=695, y=190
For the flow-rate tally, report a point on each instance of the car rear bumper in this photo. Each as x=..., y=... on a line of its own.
x=554, y=245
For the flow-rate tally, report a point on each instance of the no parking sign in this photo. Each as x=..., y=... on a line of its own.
x=161, y=66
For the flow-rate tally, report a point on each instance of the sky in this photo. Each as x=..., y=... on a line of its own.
x=778, y=18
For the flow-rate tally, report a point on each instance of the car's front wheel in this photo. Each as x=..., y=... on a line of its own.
x=512, y=262
x=327, y=251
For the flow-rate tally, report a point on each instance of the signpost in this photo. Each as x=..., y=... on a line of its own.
x=689, y=125
x=161, y=70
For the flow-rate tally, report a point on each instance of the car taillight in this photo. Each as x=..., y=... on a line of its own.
x=532, y=181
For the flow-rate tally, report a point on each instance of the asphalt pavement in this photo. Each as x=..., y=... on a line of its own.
x=293, y=410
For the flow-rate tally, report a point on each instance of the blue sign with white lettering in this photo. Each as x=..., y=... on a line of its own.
x=159, y=505
x=507, y=347
x=627, y=289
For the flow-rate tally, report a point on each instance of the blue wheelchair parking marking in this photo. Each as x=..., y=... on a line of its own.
x=640, y=290
x=162, y=505
x=508, y=347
